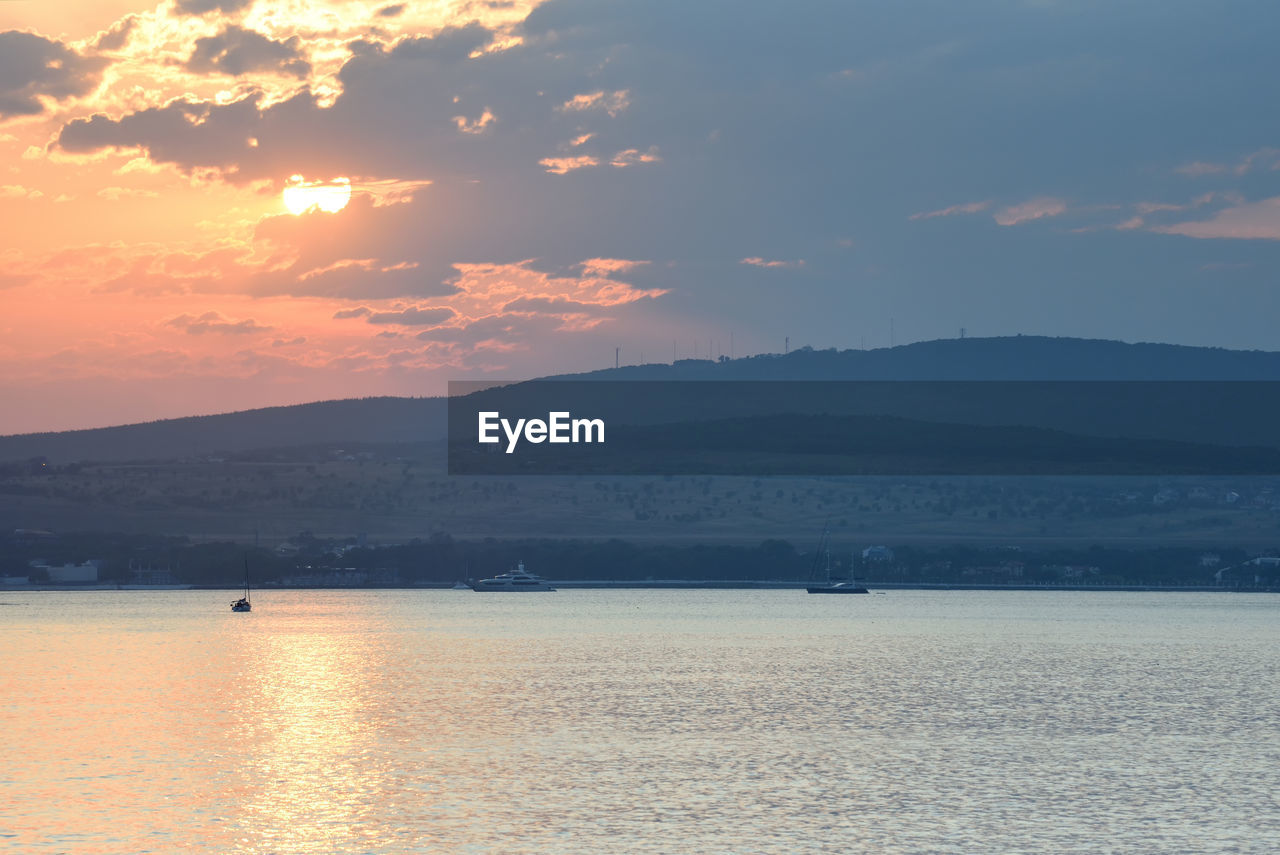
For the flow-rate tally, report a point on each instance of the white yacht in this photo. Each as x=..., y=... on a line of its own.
x=518, y=579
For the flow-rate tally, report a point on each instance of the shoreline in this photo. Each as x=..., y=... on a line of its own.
x=668, y=584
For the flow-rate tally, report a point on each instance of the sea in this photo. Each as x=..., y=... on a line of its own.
x=639, y=721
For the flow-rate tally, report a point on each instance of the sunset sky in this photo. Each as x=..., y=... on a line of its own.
x=510, y=189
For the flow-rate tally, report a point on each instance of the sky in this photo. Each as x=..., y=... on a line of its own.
x=214, y=205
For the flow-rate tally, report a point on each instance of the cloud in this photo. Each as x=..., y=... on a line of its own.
x=1252, y=221
x=115, y=194
x=237, y=51
x=565, y=165
x=485, y=288
x=17, y=191
x=1265, y=158
x=966, y=208
x=475, y=126
x=612, y=103
x=764, y=157
x=413, y=316
x=626, y=157
x=1146, y=209
x=756, y=261
x=356, y=278
x=392, y=11
x=201, y=7
x=182, y=132
x=557, y=306
x=118, y=35
x=367, y=131
x=1032, y=209
x=33, y=67
x=213, y=322
x=633, y=156
x=1200, y=168
x=610, y=266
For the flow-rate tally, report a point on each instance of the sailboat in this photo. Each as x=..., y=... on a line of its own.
x=831, y=586
x=462, y=584
x=242, y=604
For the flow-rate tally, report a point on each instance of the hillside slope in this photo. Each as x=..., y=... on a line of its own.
x=414, y=420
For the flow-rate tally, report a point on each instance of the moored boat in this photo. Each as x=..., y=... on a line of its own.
x=243, y=604
x=832, y=585
x=515, y=580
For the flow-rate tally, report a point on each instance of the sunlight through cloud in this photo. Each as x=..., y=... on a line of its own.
x=301, y=195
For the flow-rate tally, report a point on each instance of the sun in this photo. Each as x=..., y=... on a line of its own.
x=301, y=195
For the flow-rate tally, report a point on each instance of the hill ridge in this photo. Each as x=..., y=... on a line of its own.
x=389, y=419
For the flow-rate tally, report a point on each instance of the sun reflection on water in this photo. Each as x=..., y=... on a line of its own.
x=311, y=753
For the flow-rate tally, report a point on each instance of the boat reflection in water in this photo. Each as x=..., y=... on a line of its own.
x=516, y=580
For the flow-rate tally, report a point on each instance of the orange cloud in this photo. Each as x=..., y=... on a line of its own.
x=613, y=103
x=633, y=156
x=563, y=165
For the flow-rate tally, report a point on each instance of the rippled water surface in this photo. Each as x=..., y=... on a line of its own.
x=639, y=721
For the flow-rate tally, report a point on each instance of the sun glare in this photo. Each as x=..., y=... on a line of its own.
x=301, y=195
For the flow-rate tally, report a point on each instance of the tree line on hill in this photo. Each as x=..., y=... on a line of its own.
x=441, y=559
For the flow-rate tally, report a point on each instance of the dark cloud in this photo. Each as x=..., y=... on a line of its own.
x=420, y=316
x=238, y=51
x=197, y=133
x=116, y=37
x=212, y=322
x=547, y=305
x=32, y=67
x=201, y=7
x=358, y=312
x=392, y=11
x=391, y=96
x=505, y=330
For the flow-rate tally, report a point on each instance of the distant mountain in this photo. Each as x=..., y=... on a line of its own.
x=412, y=420
x=1003, y=358
x=357, y=420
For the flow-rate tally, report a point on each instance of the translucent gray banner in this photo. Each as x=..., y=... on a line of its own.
x=865, y=428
